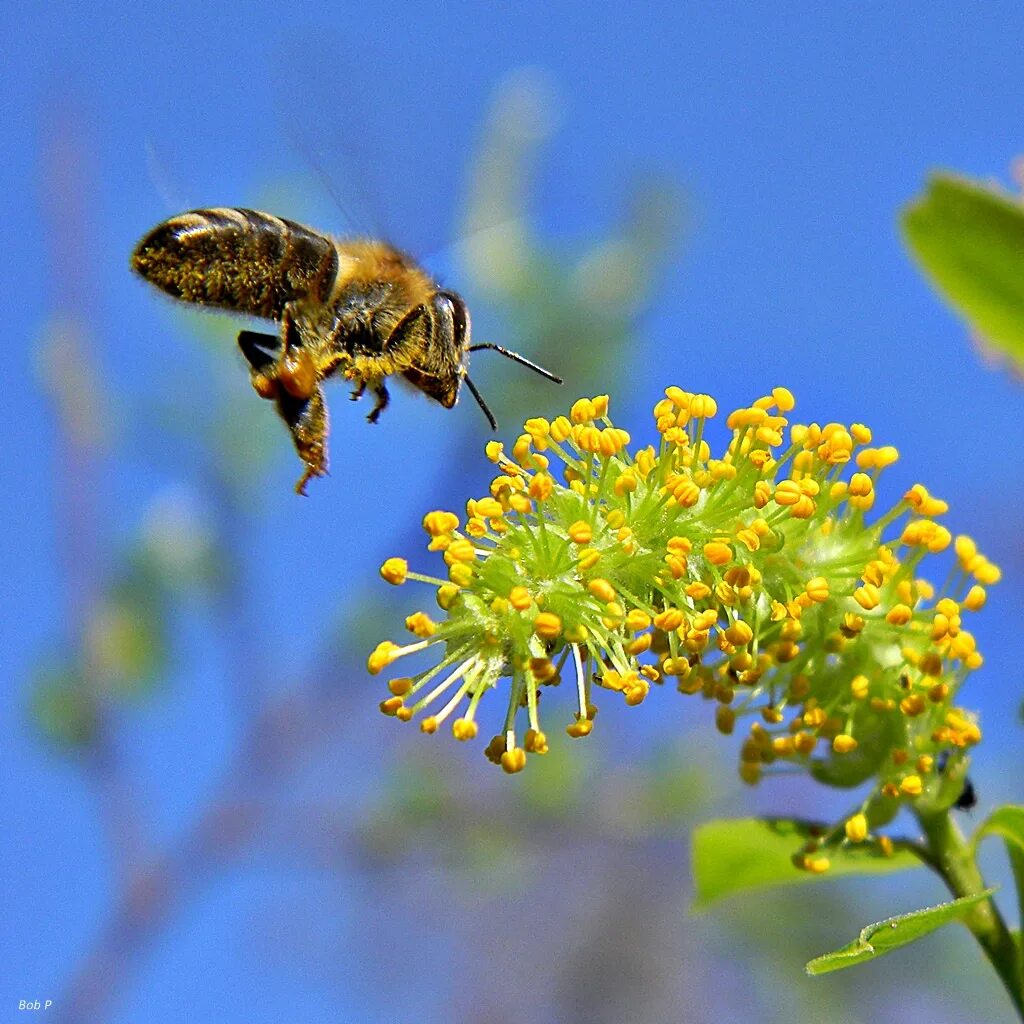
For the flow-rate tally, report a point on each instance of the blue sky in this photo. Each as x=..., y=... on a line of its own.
x=797, y=131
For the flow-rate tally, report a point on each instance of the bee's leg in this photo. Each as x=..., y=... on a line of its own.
x=261, y=352
x=359, y=391
x=307, y=420
x=381, y=393
x=296, y=369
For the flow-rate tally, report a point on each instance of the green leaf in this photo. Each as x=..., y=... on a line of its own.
x=878, y=939
x=1008, y=822
x=745, y=853
x=969, y=239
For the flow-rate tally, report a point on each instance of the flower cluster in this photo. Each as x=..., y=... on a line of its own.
x=752, y=579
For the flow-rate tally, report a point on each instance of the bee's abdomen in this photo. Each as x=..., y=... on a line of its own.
x=242, y=260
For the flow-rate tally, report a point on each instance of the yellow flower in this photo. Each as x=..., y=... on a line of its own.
x=749, y=575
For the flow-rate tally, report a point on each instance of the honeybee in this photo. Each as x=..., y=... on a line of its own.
x=358, y=308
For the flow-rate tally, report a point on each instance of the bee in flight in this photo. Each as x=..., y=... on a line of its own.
x=358, y=308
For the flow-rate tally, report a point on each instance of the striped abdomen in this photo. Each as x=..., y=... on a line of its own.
x=243, y=260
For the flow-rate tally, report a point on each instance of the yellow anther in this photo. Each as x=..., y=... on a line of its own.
x=965, y=548
x=877, y=458
x=391, y=706
x=383, y=655
x=860, y=484
x=678, y=397
x=685, y=491
x=856, y=828
x=614, y=614
x=601, y=589
x=547, y=626
x=438, y=523
x=817, y=865
x=639, y=644
x=677, y=565
x=400, y=686
x=395, y=570
x=561, y=428
x=813, y=718
x=718, y=552
x=805, y=742
x=520, y=599
x=987, y=572
x=616, y=518
x=461, y=574
x=637, y=620
x=460, y=550
x=739, y=634
x=521, y=449
x=817, y=589
x=520, y=503
x=844, y=743
x=464, y=729
x=420, y=624
x=626, y=483
x=783, y=399
x=911, y=785
x=513, y=760
x=899, y=615
x=535, y=742
x=537, y=427
x=788, y=492
x=703, y=407
x=582, y=411
x=488, y=508
x=705, y=619
x=476, y=527
x=749, y=539
x=541, y=486
x=804, y=508
x=867, y=596
x=668, y=620
x=725, y=719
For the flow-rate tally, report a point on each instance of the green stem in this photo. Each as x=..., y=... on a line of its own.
x=950, y=855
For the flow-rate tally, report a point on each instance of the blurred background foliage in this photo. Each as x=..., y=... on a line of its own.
x=402, y=876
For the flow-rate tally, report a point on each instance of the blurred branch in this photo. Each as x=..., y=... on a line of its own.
x=67, y=364
x=282, y=736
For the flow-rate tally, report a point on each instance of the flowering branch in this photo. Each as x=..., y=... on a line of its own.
x=753, y=579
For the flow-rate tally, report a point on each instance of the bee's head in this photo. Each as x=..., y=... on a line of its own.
x=442, y=365
x=443, y=368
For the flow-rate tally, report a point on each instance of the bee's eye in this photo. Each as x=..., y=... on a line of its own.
x=455, y=309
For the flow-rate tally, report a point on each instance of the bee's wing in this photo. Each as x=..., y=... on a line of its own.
x=383, y=132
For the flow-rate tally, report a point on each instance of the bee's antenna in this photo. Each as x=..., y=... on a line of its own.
x=516, y=358
x=480, y=401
